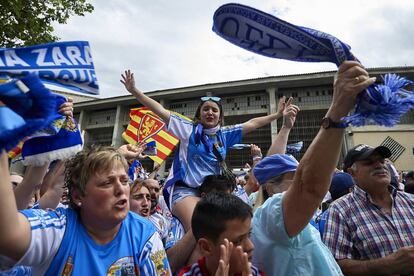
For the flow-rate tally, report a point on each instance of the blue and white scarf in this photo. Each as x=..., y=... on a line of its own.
x=264, y=34
x=63, y=142
x=63, y=64
x=29, y=110
x=202, y=136
x=26, y=106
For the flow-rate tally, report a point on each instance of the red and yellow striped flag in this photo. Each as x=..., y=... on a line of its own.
x=146, y=126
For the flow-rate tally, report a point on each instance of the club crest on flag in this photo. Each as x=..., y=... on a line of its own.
x=149, y=126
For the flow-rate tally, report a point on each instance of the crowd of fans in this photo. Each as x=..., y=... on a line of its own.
x=88, y=216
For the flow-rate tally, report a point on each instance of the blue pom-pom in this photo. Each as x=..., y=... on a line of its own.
x=383, y=104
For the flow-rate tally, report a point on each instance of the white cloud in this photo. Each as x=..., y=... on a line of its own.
x=170, y=43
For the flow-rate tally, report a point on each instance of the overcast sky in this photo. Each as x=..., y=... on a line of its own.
x=170, y=44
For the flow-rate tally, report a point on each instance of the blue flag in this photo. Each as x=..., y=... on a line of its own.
x=63, y=64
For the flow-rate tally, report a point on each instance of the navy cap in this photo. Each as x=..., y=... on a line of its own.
x=340, y=184
x=362, y=152
x=274, y=165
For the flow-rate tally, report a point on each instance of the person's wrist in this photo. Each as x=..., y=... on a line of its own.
x=136, y=92
x=285, y=127
x=133, y=90
x=257, y=157
x=279, y=114
x=335, y=115
x=338, y=110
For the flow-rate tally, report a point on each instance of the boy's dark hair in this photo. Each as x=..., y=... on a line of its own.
x=212, y=213
x=217, y=183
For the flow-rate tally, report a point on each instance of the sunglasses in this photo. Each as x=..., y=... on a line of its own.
x=214, y=99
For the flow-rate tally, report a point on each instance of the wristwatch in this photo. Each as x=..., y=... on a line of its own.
x=328, y=123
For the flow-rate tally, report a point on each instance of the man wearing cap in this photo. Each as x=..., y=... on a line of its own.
x=285, y=243
x=371, y=230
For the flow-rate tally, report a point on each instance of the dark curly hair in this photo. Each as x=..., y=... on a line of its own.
x=86, y=163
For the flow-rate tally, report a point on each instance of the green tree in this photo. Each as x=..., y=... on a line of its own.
x=29, y=22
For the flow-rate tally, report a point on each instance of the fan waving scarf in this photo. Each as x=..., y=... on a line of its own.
x=264, y=34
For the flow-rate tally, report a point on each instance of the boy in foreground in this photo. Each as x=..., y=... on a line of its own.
x=221, y=224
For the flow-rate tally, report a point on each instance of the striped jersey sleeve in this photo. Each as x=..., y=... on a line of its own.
x=180, y=127
x=233, y=134
x=153, y=259
x=47, y=230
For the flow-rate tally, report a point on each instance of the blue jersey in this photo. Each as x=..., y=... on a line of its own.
x=60, y=245
x=193, y=161
x=23, y=270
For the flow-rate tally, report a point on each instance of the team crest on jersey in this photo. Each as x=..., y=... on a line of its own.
x=67, y=269
x=149, y=126
x=161, y=264
x=124, y=266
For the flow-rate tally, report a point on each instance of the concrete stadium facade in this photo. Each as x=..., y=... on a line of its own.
x=104, y=120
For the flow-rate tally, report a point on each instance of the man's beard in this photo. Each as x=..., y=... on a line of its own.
x=153, y=205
